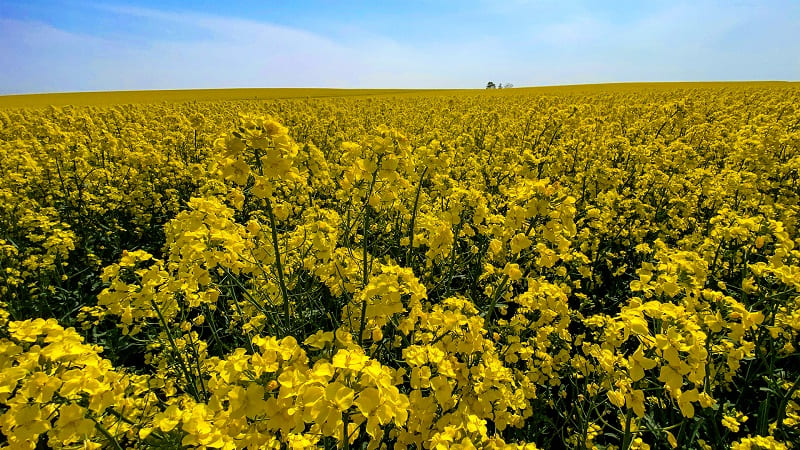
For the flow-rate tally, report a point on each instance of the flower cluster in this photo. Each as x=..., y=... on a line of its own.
x=612, y=267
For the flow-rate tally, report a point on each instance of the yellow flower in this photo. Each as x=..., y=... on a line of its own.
x=319, y=340
x=169, y=419
x=72, y=424
x=733, y=422
x=513, y=271
x=685, y=400
x=671, y=378
x=635, y=401
x=340, y=395
x=639, y=363
x=247, y=402
x=519, y=242
x=349, y=359
x=617, y=398
x=40, y=387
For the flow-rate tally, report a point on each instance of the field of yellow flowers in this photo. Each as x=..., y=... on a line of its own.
x=612, y=267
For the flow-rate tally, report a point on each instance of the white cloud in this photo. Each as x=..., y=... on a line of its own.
x=671, y=41
x=234, y=53
x=230, y=52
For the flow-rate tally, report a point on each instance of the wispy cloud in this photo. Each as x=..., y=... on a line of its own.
x=233, y=52
x=525, y=42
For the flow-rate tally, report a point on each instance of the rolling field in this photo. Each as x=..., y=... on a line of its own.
x=182, y=95
x=589, y=266
x=110, y=98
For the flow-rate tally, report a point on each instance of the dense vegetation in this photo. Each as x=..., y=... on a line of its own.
x=584, y=268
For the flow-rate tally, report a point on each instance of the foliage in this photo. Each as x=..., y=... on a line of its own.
x=603, y=269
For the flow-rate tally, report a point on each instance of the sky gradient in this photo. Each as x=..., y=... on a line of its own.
x=67, y=45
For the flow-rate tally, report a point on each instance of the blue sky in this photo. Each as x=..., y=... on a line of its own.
x=78, y=45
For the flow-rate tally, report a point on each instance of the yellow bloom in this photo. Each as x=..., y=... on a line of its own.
x=247, y=402
x=639, y=363
x=685, y=400
x=340, y=395
x=519, y=242
x=349, y=359
x=167, y=420
x=72, y=424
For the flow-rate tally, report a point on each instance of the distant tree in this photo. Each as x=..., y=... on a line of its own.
x=508, y=85
x=499, y=85
x=490, y=85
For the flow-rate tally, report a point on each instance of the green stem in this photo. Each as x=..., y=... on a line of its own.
x=191, y=387
x=365, y=244
x=107, y=434
x=119, y=416
x=213, y=326
x=278, y=263
x=414, y=218
x=365, y=277
x=247, y=295
x=500, y=288
x=785, y=401
x=627, y=438
x=345, y=437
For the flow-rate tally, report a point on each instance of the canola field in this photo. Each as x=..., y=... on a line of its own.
x=611, y=267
